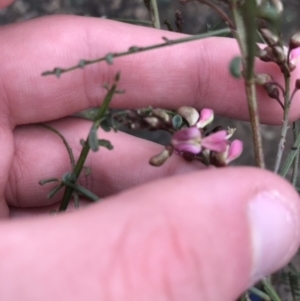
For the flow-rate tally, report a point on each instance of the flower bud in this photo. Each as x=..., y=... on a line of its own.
x=206, y=117
x=297, y=84
x=269, y=37
x=162, y=114
x=266, y=54
x=162, y=157
x=153, y=122
x=190, y=114
x=279, y=54
x=294, y=41
x=271, y=90
x=262, y=78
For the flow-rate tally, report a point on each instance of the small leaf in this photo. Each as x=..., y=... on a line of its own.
x=44, y=181
x=109, y=58
x=57, y=72
x=235, y=67
x=54, y=190
x=81, y=63
x=177, y=121
x=87, y=170
x=117, y=77
x=82, y=142
x=93, y=140
x=105, y=143
x=133, y=49
x=86, y=193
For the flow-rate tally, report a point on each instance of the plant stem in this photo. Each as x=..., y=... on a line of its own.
x=291, y=157
x=296, y=160
x=85, y=150
x=58, y=70
x=246, y=34
x=259, y=293
x=154, y=14
x=69, y=149
x=285, y=123
x=133, y=21
x=270, y=290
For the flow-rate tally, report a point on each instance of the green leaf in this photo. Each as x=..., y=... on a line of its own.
x=133, y=49
x=93, y=139
x=177, y=121
x=81, y=63
x=105, y=125
x=105, y=143
x=57, y=72
x=235, y=67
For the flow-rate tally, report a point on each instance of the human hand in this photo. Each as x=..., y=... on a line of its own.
x=192, y=234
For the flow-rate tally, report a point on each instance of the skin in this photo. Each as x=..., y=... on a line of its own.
x=147, y=239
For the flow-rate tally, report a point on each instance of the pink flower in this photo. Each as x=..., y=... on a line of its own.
x=232, y=152
x=190, y=140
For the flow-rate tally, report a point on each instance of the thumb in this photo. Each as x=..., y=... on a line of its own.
x=207, y=236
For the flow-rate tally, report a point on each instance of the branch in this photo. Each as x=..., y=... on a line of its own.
x=134, y=49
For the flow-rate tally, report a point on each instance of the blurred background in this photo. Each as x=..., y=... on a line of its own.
x=198, y=18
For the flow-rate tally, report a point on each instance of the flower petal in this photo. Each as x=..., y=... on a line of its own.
x=235, y=150
x=215, y=141
x=206, y=117
x=188, y=140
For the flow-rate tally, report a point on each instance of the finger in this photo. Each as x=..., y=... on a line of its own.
x=4, y=3
x=168, y=240
x=40, y=154
x=194, y=73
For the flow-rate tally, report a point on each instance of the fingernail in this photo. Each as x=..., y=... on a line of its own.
x=274, y=227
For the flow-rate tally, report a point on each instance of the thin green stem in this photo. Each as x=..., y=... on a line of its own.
x=259, y=293
x=133, y=21
x=291, y=157
x=270, y=290
x=154, y=14
x=85, y=150
x=58, y=70
x=285, y=124
x=69, y=149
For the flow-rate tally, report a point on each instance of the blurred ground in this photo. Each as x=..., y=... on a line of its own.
x=197, y=18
